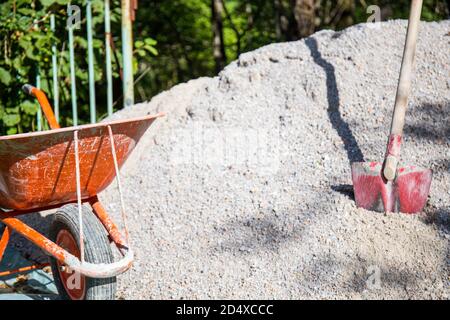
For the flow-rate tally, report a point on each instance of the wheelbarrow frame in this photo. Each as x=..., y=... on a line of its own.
x=12, y=223
x=9, y=218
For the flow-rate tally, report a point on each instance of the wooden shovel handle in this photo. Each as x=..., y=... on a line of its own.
x=403, y=91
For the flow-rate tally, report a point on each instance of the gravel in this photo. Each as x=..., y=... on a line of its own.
x=243, y=191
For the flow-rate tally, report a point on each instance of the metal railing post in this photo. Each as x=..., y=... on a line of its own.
x=73, y=84
x=109, y=83
x=55, y=71
x=92, y=109
x=127, y=54
x=39, y=113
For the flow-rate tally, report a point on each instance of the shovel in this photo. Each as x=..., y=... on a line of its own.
x=388, y=187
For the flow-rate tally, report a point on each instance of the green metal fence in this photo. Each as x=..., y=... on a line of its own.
x=127, y=7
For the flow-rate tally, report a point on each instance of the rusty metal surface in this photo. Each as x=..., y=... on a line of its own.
x=38, y=169
x=85, y=268
x=4, y=240
x=43, y=102
x=108, y=223
x=19, y=275
x=64, y=256
x=408, y=193
x=24, y=269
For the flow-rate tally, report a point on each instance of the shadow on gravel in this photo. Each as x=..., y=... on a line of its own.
x=376, y=278
x=258, y=233
x=441, y=165
x=440, y=217
x=430, y=122
x=366, y=278
x=345, y=189
x=26, y=248
x=354, y=153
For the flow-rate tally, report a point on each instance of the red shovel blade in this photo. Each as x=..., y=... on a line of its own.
x=408, y=193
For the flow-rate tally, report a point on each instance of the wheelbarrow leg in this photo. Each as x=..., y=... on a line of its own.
x=107, y=222
x=35, y=237
x=4, y=241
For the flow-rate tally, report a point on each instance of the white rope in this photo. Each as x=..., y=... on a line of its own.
x=119, y=184
x=80, y=211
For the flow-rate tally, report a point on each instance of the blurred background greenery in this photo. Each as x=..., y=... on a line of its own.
x=174, y=41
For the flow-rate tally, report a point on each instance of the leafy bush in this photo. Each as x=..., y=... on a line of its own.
x=183, y=29
x=26, y=52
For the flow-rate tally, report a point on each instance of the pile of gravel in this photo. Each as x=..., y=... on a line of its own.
x=244, y=189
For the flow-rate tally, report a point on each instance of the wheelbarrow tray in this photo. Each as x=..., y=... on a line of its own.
x=38, y=169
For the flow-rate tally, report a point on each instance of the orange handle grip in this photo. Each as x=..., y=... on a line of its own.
x=43, y=102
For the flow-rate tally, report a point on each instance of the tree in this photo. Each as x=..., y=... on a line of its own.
x=194, y=38
x=26, y=41
x=217, y=30
x=305, y=16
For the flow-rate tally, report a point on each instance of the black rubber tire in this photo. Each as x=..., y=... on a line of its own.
x=97, y=249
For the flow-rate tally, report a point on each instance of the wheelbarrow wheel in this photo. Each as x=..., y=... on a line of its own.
x=65, y=231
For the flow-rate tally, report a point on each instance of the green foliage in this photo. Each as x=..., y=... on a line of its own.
x=26, y=41
x=173, y=44
x=183, y=31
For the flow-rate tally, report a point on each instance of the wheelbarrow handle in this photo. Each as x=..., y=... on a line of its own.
x=403, y=90
x=92, y=270
x=43, y=102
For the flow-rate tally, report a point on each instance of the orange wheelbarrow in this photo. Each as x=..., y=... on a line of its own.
x=65, y=169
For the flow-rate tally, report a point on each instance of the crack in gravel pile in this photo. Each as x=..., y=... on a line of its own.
x=244, y=189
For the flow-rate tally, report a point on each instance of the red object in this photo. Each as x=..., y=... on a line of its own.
x=408, y=193
x=38, y=169
x=394, y=145
x=38, y=172
x=66, y=241
x=387, y=186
